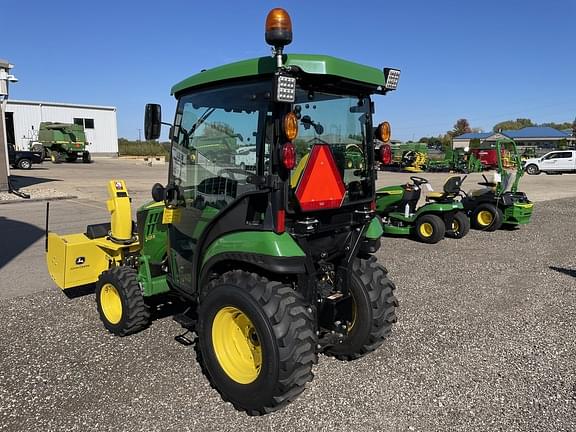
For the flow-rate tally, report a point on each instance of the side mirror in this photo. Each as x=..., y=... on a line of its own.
x=152, y=121
x=158, y=192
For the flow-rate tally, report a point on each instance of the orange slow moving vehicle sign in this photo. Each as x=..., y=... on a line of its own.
x=321, y=186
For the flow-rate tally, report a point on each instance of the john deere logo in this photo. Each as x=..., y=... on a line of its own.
x=80, y=260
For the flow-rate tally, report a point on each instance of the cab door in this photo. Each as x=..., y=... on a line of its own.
x=211, y=128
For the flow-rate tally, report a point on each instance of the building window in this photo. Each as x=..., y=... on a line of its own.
x=88, y=123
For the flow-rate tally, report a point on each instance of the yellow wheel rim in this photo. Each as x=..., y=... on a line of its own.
x=236, y=345
x=426, y=229
x=455, y=226
x=485, y=217
x=111, y=303
x=354, y=315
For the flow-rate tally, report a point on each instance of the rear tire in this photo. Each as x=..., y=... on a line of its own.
x=24, y=164
x=487, y=217
x=374, y=310
x=429, y=229
x=269, y=361
x=458, y=225
x=86, y=158
x=120, y=302
x=55, y=157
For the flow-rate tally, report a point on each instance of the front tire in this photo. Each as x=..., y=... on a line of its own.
x=25, y=164
x=458, y=225
x=86, y=157
x=256, y=341
x=429, y=229
x=532, y=169
x=120, y=302
x=487, y=217
x=374, y=310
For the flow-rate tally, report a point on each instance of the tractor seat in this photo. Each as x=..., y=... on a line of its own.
x=439, y=196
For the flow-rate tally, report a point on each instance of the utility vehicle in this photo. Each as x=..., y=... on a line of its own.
x=495, y=205
x=275, y=264
x=441, y=216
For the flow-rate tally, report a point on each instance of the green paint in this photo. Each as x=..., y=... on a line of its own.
x=150, y=285
x=311, y=64
x=388, y=196
x=258, y=242
x=154, y=233
x=397, y=230
x=374, y=229
x=439, y=208
x=518, y=214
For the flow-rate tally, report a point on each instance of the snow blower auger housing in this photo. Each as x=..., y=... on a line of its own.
x=274, y=259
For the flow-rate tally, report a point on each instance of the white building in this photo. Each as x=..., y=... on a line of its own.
x=23, y=120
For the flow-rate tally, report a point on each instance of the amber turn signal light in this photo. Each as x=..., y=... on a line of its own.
x=290, y=124
x=384, y=133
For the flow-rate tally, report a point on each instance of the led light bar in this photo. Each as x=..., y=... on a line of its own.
x=285, y=89
x=391, y=77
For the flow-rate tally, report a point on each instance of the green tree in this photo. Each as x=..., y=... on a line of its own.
x=513, y=124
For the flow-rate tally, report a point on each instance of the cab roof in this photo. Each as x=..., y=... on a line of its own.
x=308, y=63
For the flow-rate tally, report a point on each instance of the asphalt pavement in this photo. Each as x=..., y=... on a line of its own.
x=485, y=338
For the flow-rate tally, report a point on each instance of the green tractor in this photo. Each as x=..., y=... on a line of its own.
x=495, y=205
x=441, y=216
x=274, y=265
x=64, y=142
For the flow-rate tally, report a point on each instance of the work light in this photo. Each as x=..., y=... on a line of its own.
x=285, y=89
x=391, y=77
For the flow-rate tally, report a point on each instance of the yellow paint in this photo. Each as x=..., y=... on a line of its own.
x=236, y=345
x=524, y=205
x=426, y=229
x=297, y=173
x=435, y=194
x=74, y=259
x=485, y=217
x=170, y=216
x=111, y=303
x=455, y=226
x=120, y=211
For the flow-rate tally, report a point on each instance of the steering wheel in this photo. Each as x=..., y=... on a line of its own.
x=418, y=180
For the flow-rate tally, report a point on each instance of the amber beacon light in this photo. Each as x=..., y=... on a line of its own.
x=278, y=28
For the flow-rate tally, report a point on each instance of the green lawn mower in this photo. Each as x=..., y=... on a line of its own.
x=494, y=205
x=441, y=216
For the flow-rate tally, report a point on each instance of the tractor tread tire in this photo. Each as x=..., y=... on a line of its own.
x=463, y=222
x=383, y=304
x=293, y=326
x=136, y=314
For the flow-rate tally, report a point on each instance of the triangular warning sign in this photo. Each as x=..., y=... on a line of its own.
x=321, y=186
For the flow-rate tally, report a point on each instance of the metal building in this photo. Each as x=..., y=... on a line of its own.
x=23, y=120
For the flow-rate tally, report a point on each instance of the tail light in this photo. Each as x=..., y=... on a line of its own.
x=288, y=156
x=280, y=221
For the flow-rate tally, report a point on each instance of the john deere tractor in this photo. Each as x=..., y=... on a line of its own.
x=275, y=264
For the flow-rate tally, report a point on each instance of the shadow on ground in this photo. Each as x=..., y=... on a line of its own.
x=20, y=181
x=16, y=238
x=569, y=272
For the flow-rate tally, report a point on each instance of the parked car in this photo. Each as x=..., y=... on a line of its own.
x=557, y=161
x=23, y=159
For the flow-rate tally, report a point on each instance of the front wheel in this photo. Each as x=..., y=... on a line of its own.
x=430, y=229
x=86, y=158
x=532, y=169
x=373, y=310
x=487, y=217
x=256, y=341
x=24, y=163
x=120, y=302
x=458, y=225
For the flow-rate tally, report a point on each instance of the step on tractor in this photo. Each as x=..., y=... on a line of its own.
x=63, y=142
x=498, y=203
x=441, y=216
x=275, y=263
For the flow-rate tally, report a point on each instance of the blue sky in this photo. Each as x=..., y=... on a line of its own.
x=487, y=60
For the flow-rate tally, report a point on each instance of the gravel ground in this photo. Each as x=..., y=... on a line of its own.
x=485, y=341
x=36, y=193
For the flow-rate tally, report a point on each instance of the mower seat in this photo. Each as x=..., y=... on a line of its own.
x=450, y=190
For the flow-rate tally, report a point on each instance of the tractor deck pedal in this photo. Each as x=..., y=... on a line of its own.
x=185, y=320
x=184, y=340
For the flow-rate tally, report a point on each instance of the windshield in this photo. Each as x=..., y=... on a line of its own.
x=341, y=122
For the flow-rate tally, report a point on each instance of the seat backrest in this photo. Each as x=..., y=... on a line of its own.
x=452, y=185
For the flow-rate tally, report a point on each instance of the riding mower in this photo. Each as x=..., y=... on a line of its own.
x=493, y=206
x=441, y=216
x=272, y=268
